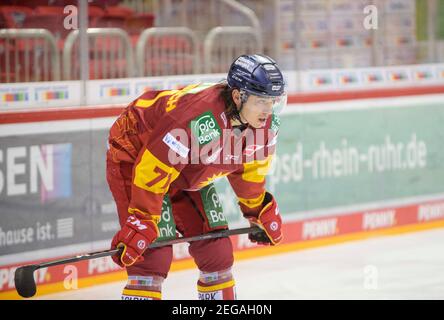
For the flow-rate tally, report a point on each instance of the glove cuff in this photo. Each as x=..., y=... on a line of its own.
x=270, y=220
x=255, y=212
x=135, y=237
x=148, y=229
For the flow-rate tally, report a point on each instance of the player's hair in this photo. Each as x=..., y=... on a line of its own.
x=227, y=97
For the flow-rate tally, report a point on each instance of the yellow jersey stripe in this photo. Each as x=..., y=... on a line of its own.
x=253, y=203
x=256, y=171
x=142, y=293
x=216, y=287
x=146, y=103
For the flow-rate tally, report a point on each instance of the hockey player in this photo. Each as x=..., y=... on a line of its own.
x=165, y=151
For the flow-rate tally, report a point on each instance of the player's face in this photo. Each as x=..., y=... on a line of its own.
x=257, y=110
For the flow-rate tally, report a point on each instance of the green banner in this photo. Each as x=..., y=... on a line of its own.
x=337, y=158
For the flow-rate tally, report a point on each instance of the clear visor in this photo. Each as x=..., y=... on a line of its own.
x=268, y=104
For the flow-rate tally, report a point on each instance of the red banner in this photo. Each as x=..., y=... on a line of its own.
x=304, y=231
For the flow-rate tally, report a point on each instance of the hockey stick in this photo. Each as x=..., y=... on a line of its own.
x=24, y=276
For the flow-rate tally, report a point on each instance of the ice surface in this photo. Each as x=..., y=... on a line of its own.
x=408, y=266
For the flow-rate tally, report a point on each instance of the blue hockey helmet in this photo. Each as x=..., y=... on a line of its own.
x=256, y=74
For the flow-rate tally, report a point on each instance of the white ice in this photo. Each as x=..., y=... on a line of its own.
x=408, y=266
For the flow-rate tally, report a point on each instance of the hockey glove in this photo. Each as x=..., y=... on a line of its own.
x=269, y=220
x=135, y=237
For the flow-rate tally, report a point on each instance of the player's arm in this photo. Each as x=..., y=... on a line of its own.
x=256, y=204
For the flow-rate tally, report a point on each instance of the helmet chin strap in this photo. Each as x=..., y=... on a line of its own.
x=237, y=116
x=243, y=99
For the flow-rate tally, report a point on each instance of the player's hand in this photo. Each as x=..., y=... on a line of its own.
x=269, y=220
x=135, y=237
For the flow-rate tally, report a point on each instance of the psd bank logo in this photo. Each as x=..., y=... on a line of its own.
x=36, y=169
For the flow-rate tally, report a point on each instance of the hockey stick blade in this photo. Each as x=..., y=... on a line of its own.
x=24, y=276
x=24, y=280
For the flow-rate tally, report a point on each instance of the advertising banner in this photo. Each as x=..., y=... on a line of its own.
x=53, y=191
x=339, y=169
x=353, y=156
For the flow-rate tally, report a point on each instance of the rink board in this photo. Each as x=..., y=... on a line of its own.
x=299, y=235
x=330, y=178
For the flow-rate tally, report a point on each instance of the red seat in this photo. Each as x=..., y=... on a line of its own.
x=94, y=11
x=94, y=15
x=104, y=3
x=110, y=22
x=114, y=17
x=14, y=16
x=52, y=23
x=9, y=2
x=119, y=11
x=61, y=3
x=134, y=25
x=32, y=3
x=49, y=10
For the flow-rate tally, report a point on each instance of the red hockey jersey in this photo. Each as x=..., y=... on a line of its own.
x=183, y=139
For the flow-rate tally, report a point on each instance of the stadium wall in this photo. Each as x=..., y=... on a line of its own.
x=352, y=163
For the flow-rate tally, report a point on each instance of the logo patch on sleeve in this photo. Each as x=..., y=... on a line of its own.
x=205, y=128
x=175, y=145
